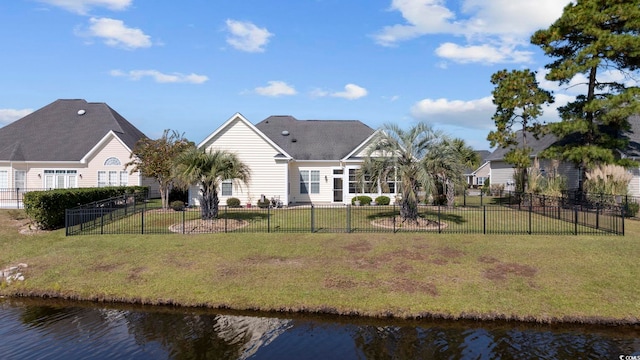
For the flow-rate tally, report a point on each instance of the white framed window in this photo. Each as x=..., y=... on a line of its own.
x=60, y=179
x=480, y=180
x=124, y=178
x=113, y=178
x=4, y=179
x=112, y=161
x=309, y=181
x=102, y=178
x=226, y=188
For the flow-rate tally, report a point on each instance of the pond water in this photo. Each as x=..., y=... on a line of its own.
x=51, y=329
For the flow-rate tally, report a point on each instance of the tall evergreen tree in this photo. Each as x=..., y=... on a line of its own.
x=518, y=100
x=593, y=38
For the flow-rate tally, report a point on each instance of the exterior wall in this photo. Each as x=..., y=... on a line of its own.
x=502, y=173
x=484, y=171
x=326, y=181
x=113, y=148
x=268, y=175
x=634, y=184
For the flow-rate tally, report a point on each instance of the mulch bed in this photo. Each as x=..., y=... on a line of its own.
x=420, y=224
x=200, y=226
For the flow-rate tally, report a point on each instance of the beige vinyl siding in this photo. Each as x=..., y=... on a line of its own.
x=501, y=173
x=634, y=184
x=268, y=176
x=326, y=181
x=112, y=148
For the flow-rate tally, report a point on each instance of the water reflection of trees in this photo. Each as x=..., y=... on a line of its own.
x=194, y=336
x=490, y=342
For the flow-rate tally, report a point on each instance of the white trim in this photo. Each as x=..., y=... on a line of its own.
x=361, y=146
x=479, y=167
x=239, y=116
x=103, y=141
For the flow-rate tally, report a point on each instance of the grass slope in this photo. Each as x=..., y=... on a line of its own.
x=590, y=279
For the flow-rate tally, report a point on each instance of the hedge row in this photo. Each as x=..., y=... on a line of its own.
x=47, y=208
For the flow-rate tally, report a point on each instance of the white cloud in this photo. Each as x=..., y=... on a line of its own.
x=245, y=36
x=472, y=114
x=83, y=6
x=493, y=29
x=276, y=88
x=10, y=115
x=115, y=33
x=161, y=77
x=351, y=92
x=484, y=53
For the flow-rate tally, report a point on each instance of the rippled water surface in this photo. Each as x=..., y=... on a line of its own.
x=38, y=329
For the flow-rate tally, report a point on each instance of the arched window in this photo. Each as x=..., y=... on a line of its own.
x=112, y=161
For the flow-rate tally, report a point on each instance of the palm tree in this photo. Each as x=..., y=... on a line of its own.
x=447, y=163
x=400, y=154
x=208, y=169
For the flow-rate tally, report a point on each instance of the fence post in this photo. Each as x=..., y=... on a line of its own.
x=101, y=221
x=597, y=216
x=268, y=219
x=348, y=218
x=464, y=197
x=18, y=198
x=225, y=219
x=484, y=220
x=439, y=229
x=312, y=219
x=184, y=223
x=622, y=214
x=481, y=195
x=394, y=218
x=530, y=212
x=66, y=222
x=575, y=219
x=144, y=208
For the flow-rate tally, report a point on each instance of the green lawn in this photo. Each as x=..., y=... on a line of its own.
x=487, y=220
x=521, y=277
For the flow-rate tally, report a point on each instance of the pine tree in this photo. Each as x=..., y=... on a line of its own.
x=594, y=38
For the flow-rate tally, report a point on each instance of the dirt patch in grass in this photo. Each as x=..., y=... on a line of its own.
x=200, y=226
x=361, y=246
x=486, y=259
x=135, y=275
x=270, y=260
x=339, y=283
x=450, y=253
x=104, y=267
x=402, y=268
x=501, y=271
x=421, y=224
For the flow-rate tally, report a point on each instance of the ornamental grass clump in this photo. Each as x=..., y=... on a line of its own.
x=607, y=180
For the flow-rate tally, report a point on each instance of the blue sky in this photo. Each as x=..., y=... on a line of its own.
x=190, y=65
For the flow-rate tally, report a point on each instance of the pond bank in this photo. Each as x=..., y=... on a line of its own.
x=538, y=279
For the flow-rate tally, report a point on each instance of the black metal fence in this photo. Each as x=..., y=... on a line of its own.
x=131, y=217
x=11, y=198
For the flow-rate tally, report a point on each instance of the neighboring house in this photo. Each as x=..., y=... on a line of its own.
x=502, y=173
x=476, y=178
x=295, y=161
x=68, y=144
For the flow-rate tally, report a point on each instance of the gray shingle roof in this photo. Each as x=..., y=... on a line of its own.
x=632, y=150
x=57, y=132
x=315, y=139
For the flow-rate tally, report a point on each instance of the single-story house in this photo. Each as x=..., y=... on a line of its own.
x=475, y=178
x=69, y=143
x=294, y=161
x=502, y=173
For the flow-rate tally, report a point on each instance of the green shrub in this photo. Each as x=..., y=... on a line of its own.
x=263, y=204
x=364, y=200
x=233, y=202
x=47, y=208
x=383, y=200
x=178, y=194
x=177, y=205
x=631, y=209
